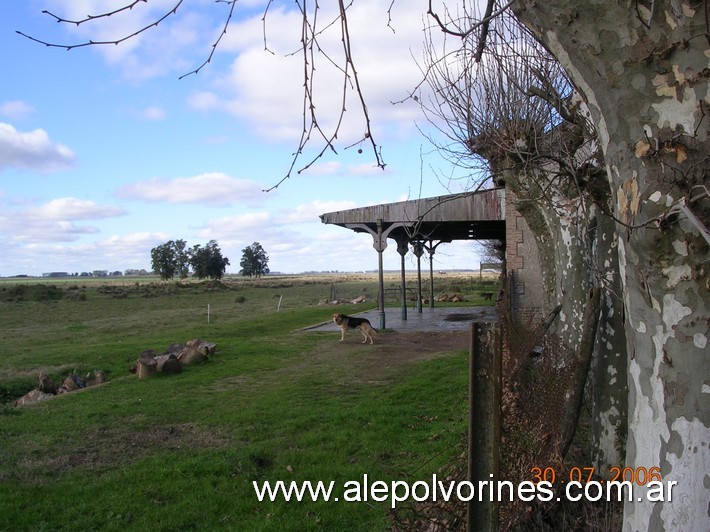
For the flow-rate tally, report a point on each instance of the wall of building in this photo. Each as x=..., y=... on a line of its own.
x=523, y=262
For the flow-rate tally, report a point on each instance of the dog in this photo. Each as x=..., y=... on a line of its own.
x=349, y=322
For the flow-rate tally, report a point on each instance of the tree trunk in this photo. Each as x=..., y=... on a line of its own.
x=607, y=380
x=578, y=249
x=583, y=362
x=643, y=69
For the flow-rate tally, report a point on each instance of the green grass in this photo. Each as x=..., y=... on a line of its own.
x=181, y=452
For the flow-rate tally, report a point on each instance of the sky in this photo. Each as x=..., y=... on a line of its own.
x=106, y=152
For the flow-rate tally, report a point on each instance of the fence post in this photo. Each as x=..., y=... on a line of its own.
x=484, y=424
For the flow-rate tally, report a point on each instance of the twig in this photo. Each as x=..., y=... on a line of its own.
x=216, y=43
x=474, y=27
x=90, y=18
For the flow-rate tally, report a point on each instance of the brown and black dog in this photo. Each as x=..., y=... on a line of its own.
x=349, y=322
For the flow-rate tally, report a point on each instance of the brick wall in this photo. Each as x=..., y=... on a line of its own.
x=522, y=260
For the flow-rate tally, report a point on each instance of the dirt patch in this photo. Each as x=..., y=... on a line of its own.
x=391, y=352
x=350, y=361
x=109, y=447
x=405, y=348
x=229, y=382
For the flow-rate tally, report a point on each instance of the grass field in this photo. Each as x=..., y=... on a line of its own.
x=180, y=452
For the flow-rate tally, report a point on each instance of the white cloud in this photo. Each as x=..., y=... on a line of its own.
x=53, y=221
x=336, y=168
x=113, y=253
x=310, y=212
x=369, y=169
x=316, y=253
x=32, y=150
x=324, y=169
x=215, y=189
x=129, y=250
x=18, y=229
x=291, y=247
x=239, y=224
x=153, y=113
x=203, y=101
x=266, y=88
x=16, y=109
x=263, y=222
x=74, y=209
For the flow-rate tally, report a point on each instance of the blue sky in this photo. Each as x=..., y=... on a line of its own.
x=105, y=153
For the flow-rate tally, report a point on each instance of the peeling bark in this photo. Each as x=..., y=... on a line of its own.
x=578, y=249
x=644, y=74
x=583, y=362
x=608, y=387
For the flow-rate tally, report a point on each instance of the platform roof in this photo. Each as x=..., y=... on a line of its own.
x=466, y=216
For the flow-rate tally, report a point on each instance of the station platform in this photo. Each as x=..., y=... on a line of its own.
x=430, y=319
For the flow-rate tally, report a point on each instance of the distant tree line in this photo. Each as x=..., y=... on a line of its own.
x=95, y=273
x=174, y=259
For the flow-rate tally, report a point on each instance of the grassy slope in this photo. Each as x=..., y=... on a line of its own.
x=182, y=451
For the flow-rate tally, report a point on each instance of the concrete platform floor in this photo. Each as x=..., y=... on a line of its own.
x=430, y=319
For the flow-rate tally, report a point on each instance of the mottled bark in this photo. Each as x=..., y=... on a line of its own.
x=561, y=229
x=583, y=364
x=607, y=380
x=578, y=250
x=643, y=69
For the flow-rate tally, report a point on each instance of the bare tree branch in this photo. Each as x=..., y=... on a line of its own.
x=91, y=18
x=311, y=52
x=231, y=3
x=127, y=7
x=484, y=31
x=463, y=33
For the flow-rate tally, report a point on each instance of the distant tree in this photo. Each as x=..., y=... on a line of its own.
x=164, y=260
x=208, y=261
x=254, y=261
x=182, y=259
x=171, y=259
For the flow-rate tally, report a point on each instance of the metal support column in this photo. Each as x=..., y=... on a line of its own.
x=431, y=276
x=380, y=245
x=402, y=248
x=418, y=249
